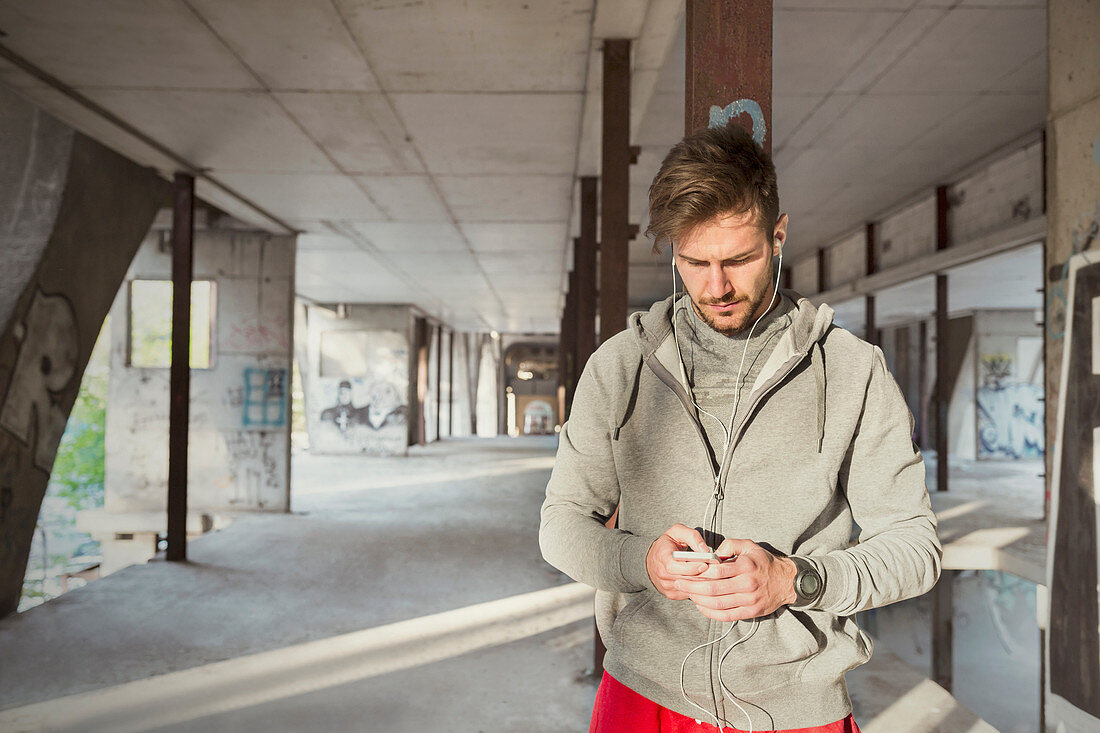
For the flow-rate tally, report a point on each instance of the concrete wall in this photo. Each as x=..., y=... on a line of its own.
x=906, y=234
x=1073, y=227
x=363, y=354
x=72, y=213
x=1009, y=190
x=846, y=260
x=239, y=436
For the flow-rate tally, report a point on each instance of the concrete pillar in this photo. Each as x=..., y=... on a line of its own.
x=1073, y=363
x=183, y=235
x=72, y=213
x=615, y=188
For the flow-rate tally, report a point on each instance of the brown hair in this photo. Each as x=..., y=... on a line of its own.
x=713, y=172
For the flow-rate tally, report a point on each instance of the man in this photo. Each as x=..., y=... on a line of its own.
x=344, y=415
x=737, y=419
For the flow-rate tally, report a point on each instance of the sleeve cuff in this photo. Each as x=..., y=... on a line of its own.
x=632, y=554
x=832, y=578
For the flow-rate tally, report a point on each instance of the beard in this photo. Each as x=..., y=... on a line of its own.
x=743, y=317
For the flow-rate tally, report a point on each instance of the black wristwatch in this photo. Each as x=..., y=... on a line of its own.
x=808, y=585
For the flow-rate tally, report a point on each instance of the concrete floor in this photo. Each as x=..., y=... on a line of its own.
x=400, y=595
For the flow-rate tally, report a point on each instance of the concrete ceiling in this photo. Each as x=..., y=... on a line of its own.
x=429, y=149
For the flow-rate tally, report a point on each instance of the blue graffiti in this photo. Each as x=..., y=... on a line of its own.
x=1010, y=420
x=264, y=398
x=720, y=117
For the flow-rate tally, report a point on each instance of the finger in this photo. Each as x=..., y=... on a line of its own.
x=687, y=537
x=720, y=587
x=724, y=603
x=735, y=614
x=686, y=569
x=732, y=546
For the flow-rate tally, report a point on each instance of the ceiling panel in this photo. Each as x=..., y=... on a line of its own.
x=890, y=120
x=354, y=129
x=406, y=198
x=507, y=198
x=841, y=36
x=968, y=51
x=421, y=237
x=125, y=43
x=507, y=237
x=493, y=133
x=314, y=196
x=291, y=44
x=487, y=45
x=240, y=131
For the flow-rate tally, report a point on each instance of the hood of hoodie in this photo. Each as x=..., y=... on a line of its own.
x=653, y=327
x=810, y=323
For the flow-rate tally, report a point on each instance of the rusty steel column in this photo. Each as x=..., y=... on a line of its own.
x=183, y=232
x=438, y=376
x=869, y=300
x=615, y=188
x=943, y=392
x=568, y=350
x=584, y=266
x=451, y=384
x=729, y=66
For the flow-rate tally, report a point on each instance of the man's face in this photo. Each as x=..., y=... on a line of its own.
x=343, y=395
x=726, y=266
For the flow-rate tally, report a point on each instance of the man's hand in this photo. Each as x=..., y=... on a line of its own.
x=665, y=571
x=753, y=584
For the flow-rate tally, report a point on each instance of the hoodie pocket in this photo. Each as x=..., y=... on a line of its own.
x=848, y=647
x=775, y=654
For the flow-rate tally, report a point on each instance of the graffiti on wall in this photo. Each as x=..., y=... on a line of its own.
x=1010, y=412
x=45, y=365
x=255, y=478
x=720, y=117
x=368, y=413
x=264, y=400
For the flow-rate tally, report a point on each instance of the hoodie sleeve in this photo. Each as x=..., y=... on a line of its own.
x=583, y=493
x=898, y=553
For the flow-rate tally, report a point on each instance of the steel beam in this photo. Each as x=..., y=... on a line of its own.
x=438, y=376
x=183, y=232
x=615, y=188
x=584, y=265
x=869, y=299
x=943, y=393
x=451, y=384
x=729, y=65
x=568, y=349
x=943, y=389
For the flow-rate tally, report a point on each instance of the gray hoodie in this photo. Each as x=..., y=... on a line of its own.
x=824, y=445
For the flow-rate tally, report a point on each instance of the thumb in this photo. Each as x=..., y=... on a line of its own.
x=731, y=547
x=687, y=537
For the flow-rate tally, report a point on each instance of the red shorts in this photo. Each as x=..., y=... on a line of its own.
x=619, y=709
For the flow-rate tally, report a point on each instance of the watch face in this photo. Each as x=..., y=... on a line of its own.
x=808, y=585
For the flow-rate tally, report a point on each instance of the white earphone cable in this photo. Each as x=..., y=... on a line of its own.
x=718, y=493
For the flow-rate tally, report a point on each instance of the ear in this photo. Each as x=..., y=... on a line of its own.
x=779, y=236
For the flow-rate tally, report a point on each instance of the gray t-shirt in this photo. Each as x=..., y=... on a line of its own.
x=711, y=360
